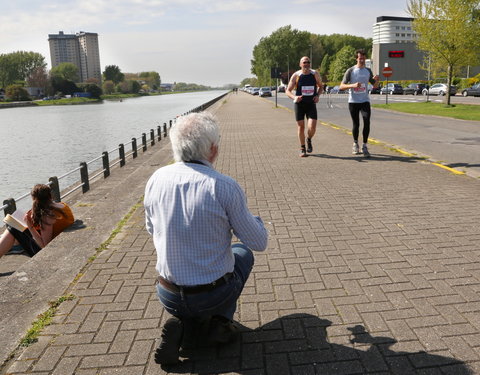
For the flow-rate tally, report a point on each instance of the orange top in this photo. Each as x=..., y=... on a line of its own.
x=64, y=218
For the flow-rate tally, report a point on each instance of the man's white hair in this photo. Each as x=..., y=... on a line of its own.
x=193, y=135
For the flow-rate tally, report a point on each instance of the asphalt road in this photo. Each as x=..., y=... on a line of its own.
x=454, y=143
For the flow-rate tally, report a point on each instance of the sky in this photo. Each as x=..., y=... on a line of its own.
x=207, y=42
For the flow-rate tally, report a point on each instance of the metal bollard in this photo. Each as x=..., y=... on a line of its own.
x=159, y=132
x=134, y=147
x=144, y=142
x=11, y=206
x=121, y=154
x=165, y=129
x=170, y=123
x=84, y=177
x=55, y=187
x=106, y=164
x=152, y=137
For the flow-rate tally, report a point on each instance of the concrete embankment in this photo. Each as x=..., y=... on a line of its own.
x=17, y=104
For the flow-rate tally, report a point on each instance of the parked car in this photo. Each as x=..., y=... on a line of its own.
x=254, y=90
x=392, y=89
x=281, y=88
x=265, y=91
x=472, y=91
x=439, y=89
x=414, y=89
x=374, y=90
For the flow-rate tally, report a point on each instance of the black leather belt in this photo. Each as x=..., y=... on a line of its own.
x=194, y=289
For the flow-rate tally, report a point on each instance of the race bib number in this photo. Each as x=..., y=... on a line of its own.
x=308, y=90
x=360, y=89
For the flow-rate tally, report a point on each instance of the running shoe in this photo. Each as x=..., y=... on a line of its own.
x=365, y=151
x=303, y=152
x=309, y=145
x=355, y=149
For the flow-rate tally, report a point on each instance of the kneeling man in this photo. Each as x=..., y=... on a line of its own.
x=192, y=211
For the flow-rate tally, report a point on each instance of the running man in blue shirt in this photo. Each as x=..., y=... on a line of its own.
x=304, y=88
x=356, y=80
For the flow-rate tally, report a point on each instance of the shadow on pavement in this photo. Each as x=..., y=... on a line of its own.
x=299, y=344
x=373, y=157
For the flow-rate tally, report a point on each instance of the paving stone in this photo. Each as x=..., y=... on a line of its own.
x=388, y=283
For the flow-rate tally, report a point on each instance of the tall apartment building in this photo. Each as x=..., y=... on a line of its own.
x=80, y=49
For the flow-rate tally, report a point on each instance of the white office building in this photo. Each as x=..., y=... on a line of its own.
x=80, y=49
x=394, y=44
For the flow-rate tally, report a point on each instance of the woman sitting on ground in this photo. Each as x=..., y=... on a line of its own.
x=46, y=220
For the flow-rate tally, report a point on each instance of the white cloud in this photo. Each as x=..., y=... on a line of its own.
x=185, y=40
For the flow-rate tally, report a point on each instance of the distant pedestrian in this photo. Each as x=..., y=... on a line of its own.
x=304, y=88
x=356, y=80
x=192, y=211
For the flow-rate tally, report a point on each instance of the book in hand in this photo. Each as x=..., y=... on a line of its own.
x=16, y=221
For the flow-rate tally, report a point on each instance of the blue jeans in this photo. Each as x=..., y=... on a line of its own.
x=219, y=301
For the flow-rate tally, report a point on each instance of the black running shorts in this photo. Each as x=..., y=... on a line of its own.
x=305, y=109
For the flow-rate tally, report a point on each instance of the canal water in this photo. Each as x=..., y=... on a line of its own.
x=39, y=142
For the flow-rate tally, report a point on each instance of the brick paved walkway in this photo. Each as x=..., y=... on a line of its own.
x=373, y=267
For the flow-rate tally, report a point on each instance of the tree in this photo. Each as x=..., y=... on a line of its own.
x=108, y=87
x=113, y=73
x=65, y=86
x=94, y=90
x=129, y=87
x=325, y=67
x=448, y=31
x=249, y=81
x=344, y=59
x=152, y=79
x=18, y=66
x=285, y=46
x=16, y=93
x=38, y=78
x=66, y=71
x=272, y=51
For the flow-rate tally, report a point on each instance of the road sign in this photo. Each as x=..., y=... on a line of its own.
x=387, y=71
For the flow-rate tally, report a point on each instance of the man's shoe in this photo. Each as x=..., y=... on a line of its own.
x=365, y=151
x=309, y=145
x=168, y=351
x=355, y=149
x=222, y=330
x=303, y=152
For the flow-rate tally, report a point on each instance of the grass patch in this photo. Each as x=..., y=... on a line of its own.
x=118, y=228
x=67, y=101
x=44, y=320
x=458, y=111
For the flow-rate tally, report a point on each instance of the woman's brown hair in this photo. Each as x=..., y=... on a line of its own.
x=42, y=201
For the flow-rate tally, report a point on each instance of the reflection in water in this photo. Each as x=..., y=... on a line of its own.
x=40, y=142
